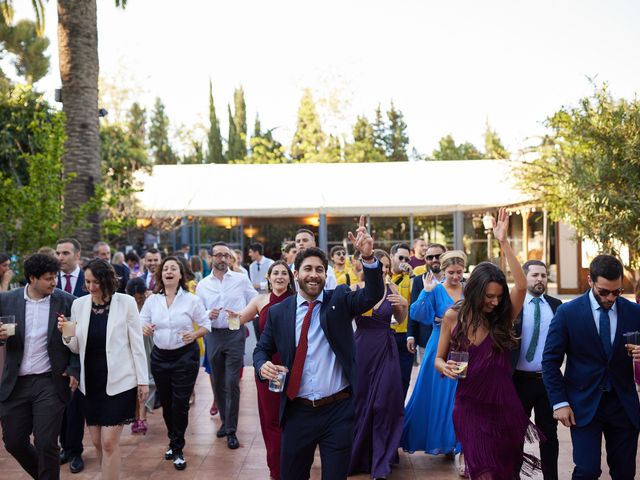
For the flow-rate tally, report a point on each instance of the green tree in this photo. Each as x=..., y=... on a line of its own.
x=448, y=150
x=396, y=139
x=32, y=180
x=28, y=49
x=264, y=148
x=363, y=149
x=380, y=133
x=587, y=171
x=493, y=148
x=332, y=152
x=240, y=120
x=161, y=150
x=214, y=139
x=309, y=139
x=234, y=144
x=137, y=125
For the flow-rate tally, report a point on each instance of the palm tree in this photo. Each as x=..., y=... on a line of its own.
x=79, y=67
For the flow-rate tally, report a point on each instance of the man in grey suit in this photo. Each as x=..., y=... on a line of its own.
x=39, y=372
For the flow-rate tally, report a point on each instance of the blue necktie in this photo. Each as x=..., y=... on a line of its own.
x=531, y=351
x=605, y=331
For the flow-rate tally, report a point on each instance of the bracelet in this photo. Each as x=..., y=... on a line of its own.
x=369, y=258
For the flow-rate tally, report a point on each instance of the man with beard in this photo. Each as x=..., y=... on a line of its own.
x=152, y=259
x=224, y=290
x=419, y=251
x=596, y=395
x=531, y=328
x=40, y=372
x=417, y=332
x=305, y=239
x=313, y=334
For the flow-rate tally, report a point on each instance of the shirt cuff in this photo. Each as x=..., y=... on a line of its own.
x=370, y=265
x=560, y=405
x=411, y=338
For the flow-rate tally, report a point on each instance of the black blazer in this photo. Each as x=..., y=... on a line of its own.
x=62, y=360
x=415, y=329
x=338, y=308
x=554, y=303
x=79, y=291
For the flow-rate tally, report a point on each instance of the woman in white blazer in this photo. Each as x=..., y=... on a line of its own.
x=112, y=358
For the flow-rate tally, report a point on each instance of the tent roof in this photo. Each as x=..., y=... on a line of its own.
x=339, y=189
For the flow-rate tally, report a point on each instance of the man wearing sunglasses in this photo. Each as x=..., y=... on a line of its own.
x=401, y=273
x=597, y=394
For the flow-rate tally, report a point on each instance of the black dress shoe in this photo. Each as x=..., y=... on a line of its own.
x=64, y=456
x=168, y=455
x=76, y=464
x=179, y=462
x=221, y=433
x=232, y=441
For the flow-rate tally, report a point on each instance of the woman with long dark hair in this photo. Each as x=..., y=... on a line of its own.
x=488, y=417
x=280, y=285
x=168, y=316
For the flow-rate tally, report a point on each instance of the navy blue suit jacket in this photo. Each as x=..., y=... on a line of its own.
x=338, y=308
x=79, y=291
x=573, y=332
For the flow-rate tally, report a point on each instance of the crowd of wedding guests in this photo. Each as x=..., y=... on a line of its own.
x=103, y=341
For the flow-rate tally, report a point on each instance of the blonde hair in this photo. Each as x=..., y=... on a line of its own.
x=453, y=257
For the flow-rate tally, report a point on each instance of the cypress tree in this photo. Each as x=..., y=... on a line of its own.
x=214, y=139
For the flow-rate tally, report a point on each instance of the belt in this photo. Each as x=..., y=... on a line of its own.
x=32, y=375
x=321, y=402
x=522, y=373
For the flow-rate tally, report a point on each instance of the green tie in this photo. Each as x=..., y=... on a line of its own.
x=536, y=330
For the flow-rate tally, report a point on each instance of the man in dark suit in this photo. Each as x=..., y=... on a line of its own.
x=103, y=250
x=152, y=259
x=532, y=326
x=71, y=280
x=597, y=392
x=39, y=369
x=313, y=334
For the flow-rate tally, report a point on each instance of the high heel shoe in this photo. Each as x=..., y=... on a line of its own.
x=142, y=426
x=462, y=469
x=135, y=426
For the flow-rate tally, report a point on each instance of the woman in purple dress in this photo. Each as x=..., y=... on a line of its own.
x=488, y=417
x=378, y=398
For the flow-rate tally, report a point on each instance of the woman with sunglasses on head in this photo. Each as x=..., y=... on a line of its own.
x=378, y=397
x=428, y=426
x=488, y=417
x=168, y=317
x=280, y=285
x=113, y=364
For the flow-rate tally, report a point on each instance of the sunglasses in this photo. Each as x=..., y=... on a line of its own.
x=605, y=293
x=433, y=257
x=402, y=258
x=342, y=254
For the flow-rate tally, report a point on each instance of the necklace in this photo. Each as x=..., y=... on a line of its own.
x=99, y=309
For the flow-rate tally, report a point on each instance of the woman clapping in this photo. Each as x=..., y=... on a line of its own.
x=168, y=315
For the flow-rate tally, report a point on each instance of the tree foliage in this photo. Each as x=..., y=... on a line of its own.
x=309, y=139
x=587, y=171
x=396, y=139
x=364, y=147
x=32, y=179
x=449, y=150
x=264, y=148
x=28, y=49
x=493, y=148
x=159, y=136
x=214, y=139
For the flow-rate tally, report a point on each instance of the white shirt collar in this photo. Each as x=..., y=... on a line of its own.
x=300, y=300
x=595, y=305
x=530, y=297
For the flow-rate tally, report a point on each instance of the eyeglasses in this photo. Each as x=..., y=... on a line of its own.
x=342, y=254
x=605, y=293
x=402, y=258
x=433, y=257
x=221, y=255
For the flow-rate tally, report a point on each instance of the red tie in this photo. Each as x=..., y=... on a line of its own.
x=301, y=354
x=67, y=286
x=152, y=282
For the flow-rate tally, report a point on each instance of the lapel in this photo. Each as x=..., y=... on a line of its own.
x=79, y=290
x=621, y=326
x=20, y=313
x=54, y=307
x=85, y=316
x=324, y=311
x=587, y=314
x=289, y=325
x=114, y=314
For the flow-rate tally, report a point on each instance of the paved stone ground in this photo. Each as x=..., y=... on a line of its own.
x=209, y=458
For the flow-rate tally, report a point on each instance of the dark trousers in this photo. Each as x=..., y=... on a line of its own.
x=33, y=407
x=534, y=397
x=305, y=427
x=621, y=441
x=225, y=357
x=406, y=361
x=175, y=373
x=72, y=430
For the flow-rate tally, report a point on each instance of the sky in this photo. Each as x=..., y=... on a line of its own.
x=448, y=66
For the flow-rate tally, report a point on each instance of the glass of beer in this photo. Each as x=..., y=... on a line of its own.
x=462, y=361
x=8, y=323
x=234, y=320
x=277, y=384
x=69, y=328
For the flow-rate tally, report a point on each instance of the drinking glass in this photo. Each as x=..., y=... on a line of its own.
x=631, y=338
x=462, y=360
x=277, y=384
x=8, y=322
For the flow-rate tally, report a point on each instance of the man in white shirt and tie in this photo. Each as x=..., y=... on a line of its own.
x=532, y=327
x=259, y=266
x=225, y=289
x=71, y=280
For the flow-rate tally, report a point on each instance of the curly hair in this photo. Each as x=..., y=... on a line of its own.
x=105, y=275
x=182, y=283
x=470, y=309
x=38, y=264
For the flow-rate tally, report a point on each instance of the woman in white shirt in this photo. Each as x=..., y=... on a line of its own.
x=113, y=365
x=168, y=316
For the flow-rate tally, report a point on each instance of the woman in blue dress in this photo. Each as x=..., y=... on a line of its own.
x=428, y=424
